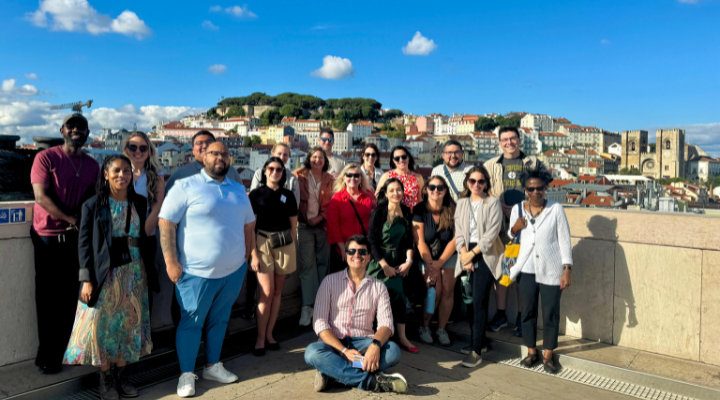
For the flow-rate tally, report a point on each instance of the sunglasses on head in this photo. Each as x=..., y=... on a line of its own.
x=349, y=175
x=330, y=140
x=370, y=155
x=402, y=157
x=275, y=169
x=476, y=181
x=360, y=252
x=134, y=148
x=533, y=189
x=439, y=188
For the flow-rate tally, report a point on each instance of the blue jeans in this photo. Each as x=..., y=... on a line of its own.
x=327, y=360
x=201, y=299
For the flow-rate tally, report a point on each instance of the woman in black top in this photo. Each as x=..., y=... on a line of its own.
x=433, y=229
x=273, y=257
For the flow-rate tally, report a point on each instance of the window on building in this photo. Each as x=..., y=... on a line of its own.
x=667, y=168
x=632, y=146
x=667, y=144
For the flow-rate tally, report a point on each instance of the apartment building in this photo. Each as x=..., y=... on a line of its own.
x=360, y=129
x=537, y=122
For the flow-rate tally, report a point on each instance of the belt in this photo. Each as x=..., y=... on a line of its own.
x=389, y=248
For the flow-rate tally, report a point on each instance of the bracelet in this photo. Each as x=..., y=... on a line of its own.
x=567, y=268
x=409, y=260
x=343, y=350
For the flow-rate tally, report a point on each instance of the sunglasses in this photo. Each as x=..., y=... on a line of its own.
x=329, y=140
x=273, y=169
x=370, y=155
x=356, y=176
x=360, y=252
x=533, y=189
x=81, y=126
x=439, y=188
x=398, y=158
x=134, y=148
x=476, y=181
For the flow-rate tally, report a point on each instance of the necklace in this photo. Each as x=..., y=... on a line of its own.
x=533, y=216
x=77, y=170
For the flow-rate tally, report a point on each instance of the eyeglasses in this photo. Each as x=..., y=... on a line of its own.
x=439, y=188
x=329, y=140
x=512, y=139
x=134, y=148
x=370, y=155
x=274, y=169
x=352, y=176
x=219, y=153
x=476, y=181
x=360, y=252
x=533, y=189
x=398, y=158
x=199, y=143
x=449, y=153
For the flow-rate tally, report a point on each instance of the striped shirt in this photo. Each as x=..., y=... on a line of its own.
x=458, y=177
x=349, y=312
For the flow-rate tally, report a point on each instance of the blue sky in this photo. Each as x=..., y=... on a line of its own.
x=617, y=65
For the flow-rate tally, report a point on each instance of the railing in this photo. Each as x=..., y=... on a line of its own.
x=648, y=281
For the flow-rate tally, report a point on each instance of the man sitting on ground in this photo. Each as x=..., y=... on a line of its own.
x=346, y=305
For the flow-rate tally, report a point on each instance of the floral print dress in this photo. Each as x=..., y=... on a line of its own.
x=410, y=186
x=118, y=326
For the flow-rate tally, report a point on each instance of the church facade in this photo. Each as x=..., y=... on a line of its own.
x=668, y=160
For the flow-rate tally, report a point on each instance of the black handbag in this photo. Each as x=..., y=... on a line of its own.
x=436, y=248
x=120, y=246
x=278, y=239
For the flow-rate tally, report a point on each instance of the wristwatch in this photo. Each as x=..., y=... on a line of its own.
x=377, y=342
x=567, y=267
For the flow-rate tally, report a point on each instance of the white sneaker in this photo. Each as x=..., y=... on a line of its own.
x=186, y=385
x=425, y=335
x=306, y=316
x=218, y=373
x=443, y=337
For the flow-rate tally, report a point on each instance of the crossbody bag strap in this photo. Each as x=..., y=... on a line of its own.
x=450, y=181
x=352, y=203
x=520, y=215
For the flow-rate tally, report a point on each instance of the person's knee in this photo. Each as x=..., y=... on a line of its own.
x=312, y=354
x=392, y=354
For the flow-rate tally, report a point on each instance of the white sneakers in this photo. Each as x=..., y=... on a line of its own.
x=306, y=316
x=186, y=385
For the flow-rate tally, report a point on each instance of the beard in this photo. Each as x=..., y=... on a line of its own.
x=217, y=171
x=454, y=164
x=75, y=143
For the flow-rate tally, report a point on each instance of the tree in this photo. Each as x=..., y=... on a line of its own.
x=437, y=162
x=316, y=116
x=270, y=117
x=256, y=139
x=290, y=110
x=328, y=113
x=340, y=125
x=503, y=122
x=235, y=111
x=247, y=141
x=392, y=113
x=485, y=124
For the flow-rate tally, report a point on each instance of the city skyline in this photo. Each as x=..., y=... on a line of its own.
x=617, y=66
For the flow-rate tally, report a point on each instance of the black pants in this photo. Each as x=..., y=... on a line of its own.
x=482, y=280
x=550, y=297
x=56, y=294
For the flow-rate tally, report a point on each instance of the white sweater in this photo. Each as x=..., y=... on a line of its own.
x=547, y=242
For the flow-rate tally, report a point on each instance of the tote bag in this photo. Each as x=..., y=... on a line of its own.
x=512, y=251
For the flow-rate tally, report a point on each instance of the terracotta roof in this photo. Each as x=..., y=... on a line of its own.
x=571, y=152
x=173, y=125
x=561, y=120
x=363, y=123
x=559, y=134
x=486, y=134
x=551, y=153
x=591, y=164
x=593, y=199
x=587, y=178
x=560, y=182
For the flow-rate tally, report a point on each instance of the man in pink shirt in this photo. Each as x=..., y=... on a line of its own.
x=350, y=351
x=63, y=177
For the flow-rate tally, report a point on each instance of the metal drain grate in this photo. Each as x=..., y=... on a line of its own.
x=602, y=382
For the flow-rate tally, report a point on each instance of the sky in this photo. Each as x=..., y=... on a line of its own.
x=616, y=65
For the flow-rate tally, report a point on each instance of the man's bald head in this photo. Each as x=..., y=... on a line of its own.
x=217, y=161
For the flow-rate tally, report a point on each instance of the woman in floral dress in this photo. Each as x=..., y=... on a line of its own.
x=402, y=168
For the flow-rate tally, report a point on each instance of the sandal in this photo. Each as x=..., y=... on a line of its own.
x=528, y=361
x=549, y=365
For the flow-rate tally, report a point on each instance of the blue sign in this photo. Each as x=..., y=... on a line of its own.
x=4, y=216
x=17, y=215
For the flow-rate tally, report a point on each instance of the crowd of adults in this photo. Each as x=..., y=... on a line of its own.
x=355, y=234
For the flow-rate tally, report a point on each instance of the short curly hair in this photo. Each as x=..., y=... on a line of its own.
x=539, y=173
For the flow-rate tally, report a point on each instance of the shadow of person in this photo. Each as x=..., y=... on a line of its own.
x=600, y=302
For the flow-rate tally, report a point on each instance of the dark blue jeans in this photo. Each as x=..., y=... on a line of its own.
x=325, y=359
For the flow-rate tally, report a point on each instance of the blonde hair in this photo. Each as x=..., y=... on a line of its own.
x=281, y=144
x=339, y=184
x=152, y=165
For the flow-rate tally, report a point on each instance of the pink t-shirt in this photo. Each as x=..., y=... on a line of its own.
x=53, y=167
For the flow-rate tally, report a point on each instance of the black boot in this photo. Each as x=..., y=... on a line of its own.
x=122, y=383
x=107, y=386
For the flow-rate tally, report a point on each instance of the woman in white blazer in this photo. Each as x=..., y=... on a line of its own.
x=478, y=218
x=544, y=264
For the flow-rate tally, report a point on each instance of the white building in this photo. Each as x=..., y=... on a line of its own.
x=486, y=143
x=258, y=158
x=343, y=141
x=361, y=129
x=538, y=122
x=702, y=168
x=554, y=140
x=530, y=141
x=440, y=124
x=312, y=137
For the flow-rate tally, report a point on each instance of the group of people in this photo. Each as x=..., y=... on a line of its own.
x=353, y=232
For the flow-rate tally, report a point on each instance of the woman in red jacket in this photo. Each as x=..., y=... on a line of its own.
x=351, y=204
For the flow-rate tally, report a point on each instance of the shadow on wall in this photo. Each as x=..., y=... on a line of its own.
x=600, y=304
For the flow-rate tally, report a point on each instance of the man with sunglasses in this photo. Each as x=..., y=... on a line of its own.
x=327, y=141
x=200, y=141
x=505, y=182
x=346, y=305
x=453, y=167
x=62, y=177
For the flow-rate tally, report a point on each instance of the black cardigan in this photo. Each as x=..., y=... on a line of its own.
x=95, y=238
x=377, y=219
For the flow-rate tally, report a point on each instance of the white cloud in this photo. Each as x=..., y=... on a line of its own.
x=32, y=76
x=605, y=42
x=215, y=9
x=210, y=26
x=217, y=69
x=80, y=16
x=9, y=89
x=241, y=12
x=419, y=46
x=706, y=136
x=334, y=68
